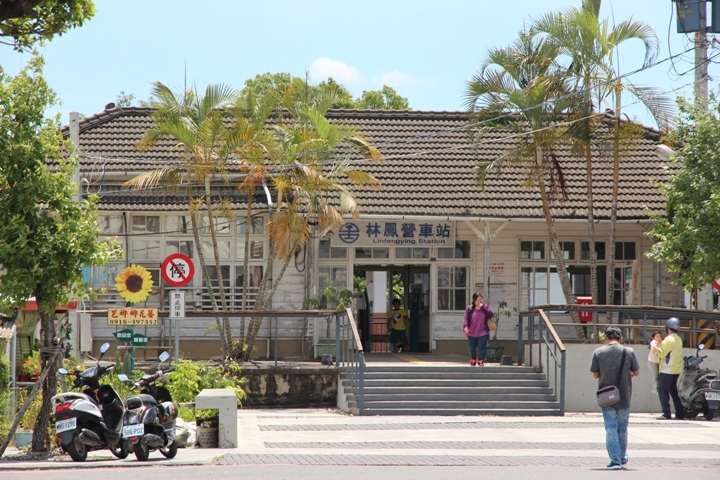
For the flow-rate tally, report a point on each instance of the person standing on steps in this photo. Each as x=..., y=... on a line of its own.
x=476, y=329
x=397, y=321
x=614, y=364
x=671, y=365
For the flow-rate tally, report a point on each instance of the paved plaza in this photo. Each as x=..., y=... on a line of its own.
x=321, y=437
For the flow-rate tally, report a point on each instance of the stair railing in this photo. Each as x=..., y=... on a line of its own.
x=547, y=339
x=350, y=358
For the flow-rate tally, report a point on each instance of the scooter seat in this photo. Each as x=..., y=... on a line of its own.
x=139, y=400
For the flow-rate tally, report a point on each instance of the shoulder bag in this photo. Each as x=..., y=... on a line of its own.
x=610, y=395
x=491, y=323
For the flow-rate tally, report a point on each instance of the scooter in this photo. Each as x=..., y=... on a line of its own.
x=699, y=390
x=91, y=420
x=150, y=420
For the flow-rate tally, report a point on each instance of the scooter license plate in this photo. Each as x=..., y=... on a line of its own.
x=65, y=425
x=133, y=430
x=712, y=396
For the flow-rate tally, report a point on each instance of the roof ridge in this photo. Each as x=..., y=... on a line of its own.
x=108, y=115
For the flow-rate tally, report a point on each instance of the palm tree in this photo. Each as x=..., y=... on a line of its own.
x=589, y=44
x=312, y=178
x=195, y=123
x=522, y=89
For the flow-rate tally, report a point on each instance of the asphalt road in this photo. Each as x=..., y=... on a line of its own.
x=313, y=472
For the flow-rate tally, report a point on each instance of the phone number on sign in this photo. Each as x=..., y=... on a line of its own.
x=132, y=316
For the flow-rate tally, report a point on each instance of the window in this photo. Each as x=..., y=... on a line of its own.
x=258, y=226
x=532, y=250
x=328, y=251
x=332, y=275
x=146, y=224
x=104, y=276
x=110, y=224
x=145, y=249
x=624, y=251
x=461, y=250
x=533, y=286
x=567, y=249
x=175, y=224
x=585, y=250
x=421, y=253
x=256, y=249
x=453, y=288
x=223, y=250
x=407, y=252
x=221, y=224
x=179, y=246
x=380, y=253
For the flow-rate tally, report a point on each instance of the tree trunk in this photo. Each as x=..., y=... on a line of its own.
x=254, y=325
x=221, y=283
x=614, y=205
x=560, y=262
x=246, y=265
x=590, y=202
x=40, y=440
x=206, y=277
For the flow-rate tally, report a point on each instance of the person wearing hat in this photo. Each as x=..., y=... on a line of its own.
x=671, y=365
x=614, y=364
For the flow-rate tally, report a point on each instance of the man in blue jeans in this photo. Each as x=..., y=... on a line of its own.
x=606, y=367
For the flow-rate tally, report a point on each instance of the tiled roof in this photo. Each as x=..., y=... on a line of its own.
x=429, y=168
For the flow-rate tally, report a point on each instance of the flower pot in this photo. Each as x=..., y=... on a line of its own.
x=23, y=378
x=494, y=353
x=23, y=439
x=206, y=437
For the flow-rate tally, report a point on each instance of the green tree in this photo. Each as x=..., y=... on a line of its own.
x=521, y=88
x=687, y=238
x=385, y=99
x=26, y=22
x=195, y=122
x=47, y=234
x=589, y=45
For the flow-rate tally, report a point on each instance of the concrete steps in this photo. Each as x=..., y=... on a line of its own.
x=454, y=390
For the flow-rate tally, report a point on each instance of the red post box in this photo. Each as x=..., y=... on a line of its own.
x=585, y=317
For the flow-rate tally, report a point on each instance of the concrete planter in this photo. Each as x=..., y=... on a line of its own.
x=323, y=349
x=494, y=353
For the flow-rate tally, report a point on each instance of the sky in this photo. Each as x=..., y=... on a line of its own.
x=425, y=49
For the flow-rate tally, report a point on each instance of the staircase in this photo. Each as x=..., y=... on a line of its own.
x=454, y=390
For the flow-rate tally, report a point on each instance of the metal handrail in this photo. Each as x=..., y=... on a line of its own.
x=350, y=359
x=554, y=348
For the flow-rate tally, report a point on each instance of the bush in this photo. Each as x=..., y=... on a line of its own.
x=4, y=372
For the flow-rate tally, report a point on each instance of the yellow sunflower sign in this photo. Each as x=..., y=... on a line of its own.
x=134, y=284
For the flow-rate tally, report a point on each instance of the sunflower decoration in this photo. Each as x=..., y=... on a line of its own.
x=134, y=284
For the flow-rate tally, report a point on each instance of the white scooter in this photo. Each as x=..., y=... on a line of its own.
x=699, y=389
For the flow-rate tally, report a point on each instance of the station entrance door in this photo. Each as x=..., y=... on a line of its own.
x=408, y=283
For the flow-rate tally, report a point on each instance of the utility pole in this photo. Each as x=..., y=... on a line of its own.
x=701, y=63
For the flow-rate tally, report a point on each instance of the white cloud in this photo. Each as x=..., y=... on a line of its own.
x=398, y=79
x=324, y=68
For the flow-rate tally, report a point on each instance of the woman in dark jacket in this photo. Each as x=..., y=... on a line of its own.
x=476, y=329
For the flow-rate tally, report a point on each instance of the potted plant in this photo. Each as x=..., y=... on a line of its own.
x=30, y=368
x=206, y=422
x=331, y=299
x=494, y=351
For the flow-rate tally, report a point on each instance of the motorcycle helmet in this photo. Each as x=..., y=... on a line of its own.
x=673, y=324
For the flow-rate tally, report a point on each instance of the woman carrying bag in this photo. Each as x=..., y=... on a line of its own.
x=475, y=326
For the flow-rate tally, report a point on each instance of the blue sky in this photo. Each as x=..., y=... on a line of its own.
x=425, y=49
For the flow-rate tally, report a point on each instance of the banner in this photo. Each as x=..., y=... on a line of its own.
x=132, y=316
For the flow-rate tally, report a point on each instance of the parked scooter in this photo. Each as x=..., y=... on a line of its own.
x=699, y=389
x=91, y=420
x=150, y=420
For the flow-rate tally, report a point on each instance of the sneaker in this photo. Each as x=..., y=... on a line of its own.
x=399, y=349
x=472, y=362
x=654, y=390
x=663, y=417
x=481, y=363
x=625, y=460
x=614, y=466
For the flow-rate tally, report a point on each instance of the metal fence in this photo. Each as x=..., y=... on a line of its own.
x=350, y=358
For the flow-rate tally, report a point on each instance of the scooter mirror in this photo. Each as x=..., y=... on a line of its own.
x=123, y=378
x=63, y=371
x=163, y=356
x=105, y=347
x=701, y=346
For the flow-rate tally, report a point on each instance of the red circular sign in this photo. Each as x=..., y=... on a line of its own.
x=177, y=270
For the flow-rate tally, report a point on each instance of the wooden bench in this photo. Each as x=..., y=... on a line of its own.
x=225, y=400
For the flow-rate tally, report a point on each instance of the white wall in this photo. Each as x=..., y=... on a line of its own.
x=580, y=386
